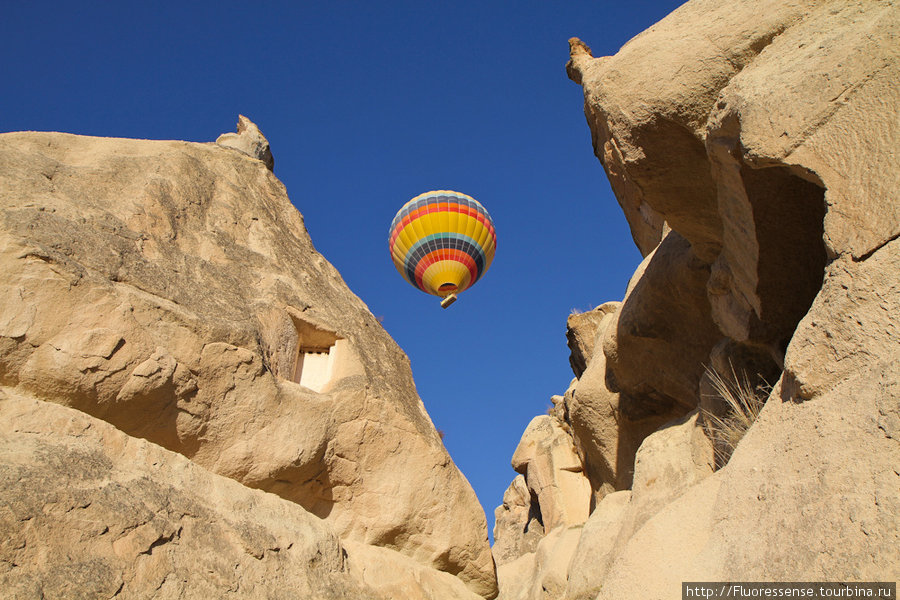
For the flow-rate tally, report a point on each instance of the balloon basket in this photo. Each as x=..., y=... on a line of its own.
x=448, y=300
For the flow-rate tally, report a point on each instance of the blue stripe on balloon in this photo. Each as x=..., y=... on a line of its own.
x=435, y=242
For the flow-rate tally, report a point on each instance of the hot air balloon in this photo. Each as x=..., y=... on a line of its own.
x=442, y=242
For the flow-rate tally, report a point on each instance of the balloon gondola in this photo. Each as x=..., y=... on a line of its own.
x=442, y=242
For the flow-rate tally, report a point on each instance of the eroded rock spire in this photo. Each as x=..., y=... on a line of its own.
x=579, y=55
x=249, y=140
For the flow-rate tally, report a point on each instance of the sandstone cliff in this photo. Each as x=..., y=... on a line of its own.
x=170, y=289
x=752, y=147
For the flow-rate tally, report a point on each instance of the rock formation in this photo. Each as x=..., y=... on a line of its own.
x=171, y=290
x=751, y=146
x=92, y=512
x=172, y=348
x=248, y=140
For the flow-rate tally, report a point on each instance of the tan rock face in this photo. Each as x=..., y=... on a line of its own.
x=764, y=134
x=582, y=331
x=772, y=105
x=851, y=325
x=553, y=472
x=606, y=436
x=647, y=358
x=517, y=523
x=551, y=495
x=811, y=489
x=668, y=463
x=91, y=512
x=796, y=184
x=147, y=283
x=648, y=108
x=541, y=575
x=249, y=140
x=821, y=102
x=596, y=547
x=662, y=334
x=389, y=575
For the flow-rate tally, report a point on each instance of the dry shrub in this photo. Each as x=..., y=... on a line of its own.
x=743, y=402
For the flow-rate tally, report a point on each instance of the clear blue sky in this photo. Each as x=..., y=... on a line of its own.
x=367, y=104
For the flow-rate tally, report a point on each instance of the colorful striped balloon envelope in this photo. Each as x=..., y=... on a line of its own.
x=442, y=242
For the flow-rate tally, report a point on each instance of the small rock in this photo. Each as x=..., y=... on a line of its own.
x=249, y=140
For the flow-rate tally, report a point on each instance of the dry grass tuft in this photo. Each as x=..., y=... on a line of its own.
x=579, y=311
x=743, y=403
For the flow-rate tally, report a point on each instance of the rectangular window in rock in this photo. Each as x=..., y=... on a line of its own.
x=314, y=367
x=315, y=358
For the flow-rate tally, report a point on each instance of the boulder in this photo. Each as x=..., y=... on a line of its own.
x=546, y=457
x=144, y=283
x=517, y=523
x=606, y=430
x=662, y=334
x=596, y=547
x=250, y=141
x=582, y=330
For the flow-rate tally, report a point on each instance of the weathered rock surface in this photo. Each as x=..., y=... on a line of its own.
x=821, y=102
x=91, y=512
x=553, y=473
x=663, y=333
x=764, y=134
x=574, y=561
x=647, y=361
x=852, y=324
x=144, y=283
x=539, y=522
x=541, y=575
x=582, y=331
x=517, y=523
x=392, y=576
x=648, y=107
x=668, y=463
x=812, y=489
x=596, y=547
x=606, y=429
x=249, y=140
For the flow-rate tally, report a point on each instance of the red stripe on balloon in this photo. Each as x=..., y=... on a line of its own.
x=445, y=254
